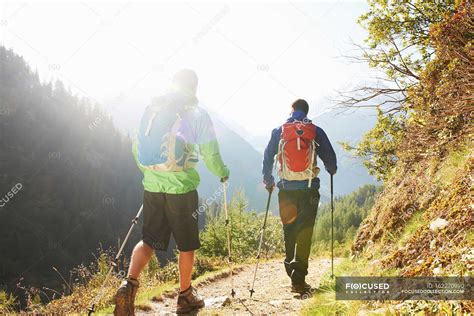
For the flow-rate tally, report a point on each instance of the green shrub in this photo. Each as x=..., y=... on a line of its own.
x=349, y=212
x=245, y=229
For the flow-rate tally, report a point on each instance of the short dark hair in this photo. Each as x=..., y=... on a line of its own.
x=301, y=105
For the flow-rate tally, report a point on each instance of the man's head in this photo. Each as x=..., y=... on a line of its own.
x=300, y=105
x=186, y=80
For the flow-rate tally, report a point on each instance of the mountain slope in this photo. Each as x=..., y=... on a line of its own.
x=427, y=196
x=422, y=222
x=68, y=181
x=404, y=217
x=346, y=127
x=245, y=165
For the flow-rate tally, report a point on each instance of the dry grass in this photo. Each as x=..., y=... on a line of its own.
x=153, y=282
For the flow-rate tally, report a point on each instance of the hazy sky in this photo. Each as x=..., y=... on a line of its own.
x=253, y=59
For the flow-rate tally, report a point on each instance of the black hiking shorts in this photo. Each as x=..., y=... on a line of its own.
x=165, y=214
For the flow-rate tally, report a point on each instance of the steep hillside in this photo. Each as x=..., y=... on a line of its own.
x=422, y=223
x=423, y=220
x=68, y=183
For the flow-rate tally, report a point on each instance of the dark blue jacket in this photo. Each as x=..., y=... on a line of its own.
x=324, y=151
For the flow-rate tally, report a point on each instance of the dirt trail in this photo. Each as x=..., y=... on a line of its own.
x=272, y=292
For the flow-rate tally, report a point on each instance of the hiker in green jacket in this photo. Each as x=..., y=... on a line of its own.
x=173, y=130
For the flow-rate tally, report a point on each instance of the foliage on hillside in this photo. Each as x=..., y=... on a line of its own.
x=422, y=222
x=435, y=108
x=433, y=174
x=411, y=201
x=399, y=35
x=350, y=211
x=416, y=45
x=78, y=182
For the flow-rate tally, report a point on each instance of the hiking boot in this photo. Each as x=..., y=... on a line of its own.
x=189, y=301
x=125, y=298
x=300, y=288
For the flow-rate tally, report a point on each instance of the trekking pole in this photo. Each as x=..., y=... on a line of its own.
x=113, y=264
x=332, y=228
x=229, y=249
x=261, y=241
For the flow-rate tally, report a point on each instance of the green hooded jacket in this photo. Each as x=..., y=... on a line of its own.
x=198, y=132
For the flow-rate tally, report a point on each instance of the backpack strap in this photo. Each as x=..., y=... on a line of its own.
x=150, y=122
x=313, y=154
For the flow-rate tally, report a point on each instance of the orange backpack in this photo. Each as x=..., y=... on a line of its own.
x=297, y=151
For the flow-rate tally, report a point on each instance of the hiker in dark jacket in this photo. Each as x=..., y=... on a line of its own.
x=295, y=145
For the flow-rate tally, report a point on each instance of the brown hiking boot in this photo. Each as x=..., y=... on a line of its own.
x=189, y=301
x=125, y=298
x=301, y=288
